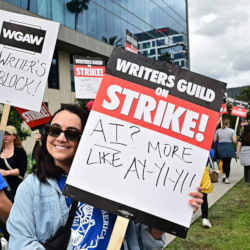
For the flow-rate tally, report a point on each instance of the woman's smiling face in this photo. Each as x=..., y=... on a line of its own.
x=61, y=149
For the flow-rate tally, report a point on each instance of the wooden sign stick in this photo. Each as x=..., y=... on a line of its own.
x=221, y=122
x=5, y=116
x=118, y=233
x=236, y=124
x=3, y=124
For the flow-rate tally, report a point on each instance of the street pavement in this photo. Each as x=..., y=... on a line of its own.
x=220, y=188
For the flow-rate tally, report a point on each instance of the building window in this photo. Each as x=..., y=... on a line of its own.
x=146, y=45
x=53, y=78
x=178, y=55
x=160, y=42
x=177, y=39
x=164, y=51
x=152, y=52
x=153, y=43
x=72, y=78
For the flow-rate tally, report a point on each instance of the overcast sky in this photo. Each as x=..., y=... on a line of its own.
x=220, y=40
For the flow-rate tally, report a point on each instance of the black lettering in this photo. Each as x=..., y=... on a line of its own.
x=157, y=147
x=133, y=164
x=101, y=130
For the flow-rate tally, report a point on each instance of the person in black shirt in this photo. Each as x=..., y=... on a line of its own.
x=13, y=161
x=243, y=152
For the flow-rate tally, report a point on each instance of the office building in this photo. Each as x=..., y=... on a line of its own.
x=87, y=26
x=164, y=44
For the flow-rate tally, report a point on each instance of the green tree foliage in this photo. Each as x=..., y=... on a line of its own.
x=77, y=6
x=16, y=120
x=244, y=95
x=113, y=40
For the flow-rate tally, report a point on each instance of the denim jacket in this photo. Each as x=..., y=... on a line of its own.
x=40, y=209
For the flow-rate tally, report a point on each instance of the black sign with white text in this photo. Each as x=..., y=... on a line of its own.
x=22, y=37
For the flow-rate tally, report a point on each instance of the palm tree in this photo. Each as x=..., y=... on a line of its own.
x=77, y=6
x=28, y=5
x=113, y=40
x=166, y=58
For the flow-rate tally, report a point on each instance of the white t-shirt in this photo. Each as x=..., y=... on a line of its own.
x=225, y=135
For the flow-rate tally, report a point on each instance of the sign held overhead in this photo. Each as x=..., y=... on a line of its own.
x=26, y=50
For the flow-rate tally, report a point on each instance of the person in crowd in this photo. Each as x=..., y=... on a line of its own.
x=38, y=142
x=225, y=137
x=206, y=188
x=13, y=160
x=5, y=203
x=243, y=147
x=40, y=208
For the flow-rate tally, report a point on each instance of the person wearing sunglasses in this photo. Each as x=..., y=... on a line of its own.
x=40, y=208
x=13, y=161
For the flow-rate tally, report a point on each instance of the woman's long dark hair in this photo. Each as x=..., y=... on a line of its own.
x=45, y=167
x=246, y=134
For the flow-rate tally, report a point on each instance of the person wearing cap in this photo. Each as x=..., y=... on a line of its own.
x=13, y=160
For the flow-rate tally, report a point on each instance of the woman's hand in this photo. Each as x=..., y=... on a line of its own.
x=196, y=200
x=4, y=172
x=12, y=172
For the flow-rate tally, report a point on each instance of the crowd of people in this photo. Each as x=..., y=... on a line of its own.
x=37, y=210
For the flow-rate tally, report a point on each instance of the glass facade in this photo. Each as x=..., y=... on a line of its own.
x=107, y=18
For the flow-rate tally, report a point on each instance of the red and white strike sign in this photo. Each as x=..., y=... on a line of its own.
x=35, y=119
x=239, y=111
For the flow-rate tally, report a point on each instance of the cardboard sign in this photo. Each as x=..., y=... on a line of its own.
x=34, y=119
x=131, y=43
x=88, y=74
x=223, y=109
x=239, y=111
x=146, y=142
x=26, y=50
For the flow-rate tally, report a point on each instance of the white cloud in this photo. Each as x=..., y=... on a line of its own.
x=220, y=40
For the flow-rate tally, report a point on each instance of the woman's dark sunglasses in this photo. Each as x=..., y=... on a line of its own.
x=71, y=134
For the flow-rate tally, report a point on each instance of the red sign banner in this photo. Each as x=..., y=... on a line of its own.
x=223, y=109
x=239, y=111
x=35, y=119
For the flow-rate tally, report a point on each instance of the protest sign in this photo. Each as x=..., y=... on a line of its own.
x=239, y=111
x=131, y=43
x=223, y=109
x=88, y=74
x=146, y=142
x=26, y=49
x=34, y=119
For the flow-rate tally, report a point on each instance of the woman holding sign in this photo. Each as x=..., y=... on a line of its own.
x=40, y=208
